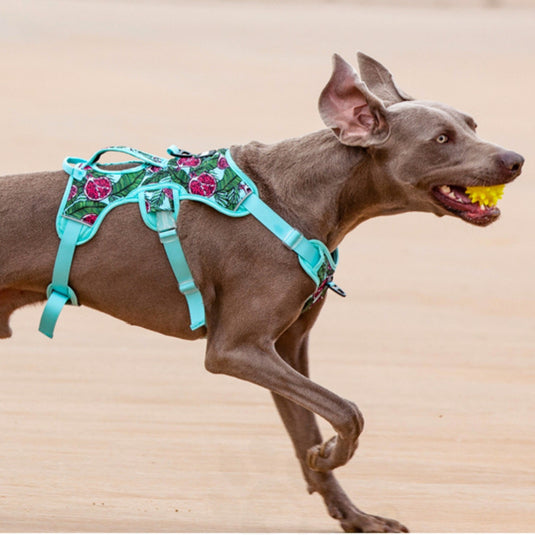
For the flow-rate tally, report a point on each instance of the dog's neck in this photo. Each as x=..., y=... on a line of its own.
x=323, y=188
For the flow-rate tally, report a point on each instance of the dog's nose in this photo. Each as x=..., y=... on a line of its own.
x=511, y=162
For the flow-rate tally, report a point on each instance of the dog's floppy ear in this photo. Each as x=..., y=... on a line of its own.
x=380, y=81
x=346, y=105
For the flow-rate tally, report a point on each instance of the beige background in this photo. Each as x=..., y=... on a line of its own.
x=110, y=427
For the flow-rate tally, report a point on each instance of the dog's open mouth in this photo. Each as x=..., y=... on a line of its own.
x=456, y=200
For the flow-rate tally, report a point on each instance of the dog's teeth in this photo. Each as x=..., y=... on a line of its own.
x=445, y=189
x=452, y=195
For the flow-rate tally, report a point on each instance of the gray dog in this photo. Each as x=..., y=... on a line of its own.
x=382, y=153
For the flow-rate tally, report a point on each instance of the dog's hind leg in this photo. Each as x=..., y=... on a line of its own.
x=10, y=300
x=305, y=435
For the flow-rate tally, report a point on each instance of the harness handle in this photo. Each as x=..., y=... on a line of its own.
x=138, y=154
x=73, y=166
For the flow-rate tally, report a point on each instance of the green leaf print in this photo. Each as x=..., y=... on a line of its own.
x=177, y=175
x=206, y=166
x=82, y=208
x=156, y=201
x=228, y=199
x=96, y=173
x=229, y=180
x=127, y=183
x=156, y=178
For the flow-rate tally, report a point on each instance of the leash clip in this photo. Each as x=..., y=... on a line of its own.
x=336, y=289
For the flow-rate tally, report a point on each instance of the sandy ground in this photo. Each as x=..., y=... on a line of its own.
x=124, y=430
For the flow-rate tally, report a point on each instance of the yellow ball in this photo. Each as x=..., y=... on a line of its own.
x=485, y=196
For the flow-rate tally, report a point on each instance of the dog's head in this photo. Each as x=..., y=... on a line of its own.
x=430, y=150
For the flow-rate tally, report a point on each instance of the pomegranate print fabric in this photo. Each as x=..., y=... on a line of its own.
x=207, y=177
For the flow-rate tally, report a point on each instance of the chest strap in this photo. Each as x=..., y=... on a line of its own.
x=312, y=253
x=59, y=292
x=166, y=228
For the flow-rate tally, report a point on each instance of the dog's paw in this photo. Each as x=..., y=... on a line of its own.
x=318, y=455
x=331, y=454
x=353, y=520
x=364, y=523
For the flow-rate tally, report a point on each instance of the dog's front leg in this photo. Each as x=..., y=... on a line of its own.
x=245, y=348
x=261, y=364
x=305, y=435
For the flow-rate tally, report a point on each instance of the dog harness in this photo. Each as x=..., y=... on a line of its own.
x=158, y=185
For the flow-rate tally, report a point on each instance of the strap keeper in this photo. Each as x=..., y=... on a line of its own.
x=292, y=239
x=188, y=287
x=78, y=173
x=70, y=295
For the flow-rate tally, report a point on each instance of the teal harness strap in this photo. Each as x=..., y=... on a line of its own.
x=312, y=253
x=70, y=166
x=166, y=228
x=59, y=292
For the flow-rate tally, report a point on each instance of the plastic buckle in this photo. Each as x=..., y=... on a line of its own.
x=248, y=193
x=167, y=235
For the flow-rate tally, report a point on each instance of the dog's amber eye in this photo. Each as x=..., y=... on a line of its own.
x=443, y=138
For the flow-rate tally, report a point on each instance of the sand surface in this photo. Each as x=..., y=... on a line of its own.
x=111, y=428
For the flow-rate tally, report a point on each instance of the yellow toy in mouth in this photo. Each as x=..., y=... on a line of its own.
x=485, y=195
